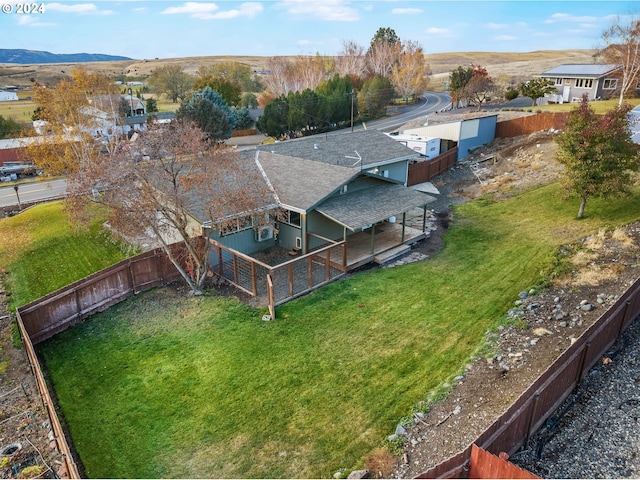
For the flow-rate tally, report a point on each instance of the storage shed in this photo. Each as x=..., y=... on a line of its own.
x=467, y=133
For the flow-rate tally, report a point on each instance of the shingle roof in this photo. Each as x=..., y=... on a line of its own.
x=345, y=149
x=301, y=183
x=263, y=196
x=580, y=70
x=366, y=207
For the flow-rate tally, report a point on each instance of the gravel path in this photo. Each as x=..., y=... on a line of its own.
x=595, y=433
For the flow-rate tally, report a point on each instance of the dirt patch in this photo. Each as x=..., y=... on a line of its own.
x=27, y=443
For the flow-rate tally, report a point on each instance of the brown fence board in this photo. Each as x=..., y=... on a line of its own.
x=486, y=465
x=67, y=306
x=425, y=170
x=531, y=123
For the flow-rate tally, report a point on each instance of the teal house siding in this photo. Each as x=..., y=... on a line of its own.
x=244, y=241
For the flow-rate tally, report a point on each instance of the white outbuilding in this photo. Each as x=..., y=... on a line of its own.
x=8, y=96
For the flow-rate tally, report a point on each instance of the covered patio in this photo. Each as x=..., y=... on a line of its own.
x=374, y=221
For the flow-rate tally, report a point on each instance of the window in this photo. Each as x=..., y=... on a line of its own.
x=236, y=225
x=558, y=81
x=610, y=83
x=292, y=218
x=584, y=82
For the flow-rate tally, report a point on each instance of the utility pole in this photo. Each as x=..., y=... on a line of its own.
x=352, y=95
x=15, y=187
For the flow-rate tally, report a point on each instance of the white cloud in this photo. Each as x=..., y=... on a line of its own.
x=31, y=21
x=192, y=8
x=497, y=26
x=406, y=11
x=209, y=11
x=566, y=17
x=442, y=32
x=79, y=8
x=332, y=10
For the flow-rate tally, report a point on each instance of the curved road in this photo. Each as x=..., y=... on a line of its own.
x=430, y=102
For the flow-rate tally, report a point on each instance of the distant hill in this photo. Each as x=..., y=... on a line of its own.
x=23, y=57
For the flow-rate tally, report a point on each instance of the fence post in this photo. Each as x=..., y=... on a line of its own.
x=583, y=362
x=534, y=411
x=271, y=296
x=254, y=280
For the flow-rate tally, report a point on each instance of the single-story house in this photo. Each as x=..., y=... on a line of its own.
x=346, y=187
x=598, y=81
x=466, y=134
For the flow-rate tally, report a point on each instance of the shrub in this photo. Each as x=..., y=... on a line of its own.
x=511, y=93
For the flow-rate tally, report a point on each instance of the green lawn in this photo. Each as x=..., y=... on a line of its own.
x=40, y=253
x=168, y=386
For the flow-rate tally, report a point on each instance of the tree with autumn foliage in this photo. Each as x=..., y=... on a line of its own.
x=480, y=88
x=76, y=131
x=597, y=153
x=410, y=75
x=621, y=46
x=458, y=80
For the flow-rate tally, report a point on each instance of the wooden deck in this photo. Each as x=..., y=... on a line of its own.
x=362, y=249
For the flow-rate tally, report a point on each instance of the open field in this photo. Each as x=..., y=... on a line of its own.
x=202, y=387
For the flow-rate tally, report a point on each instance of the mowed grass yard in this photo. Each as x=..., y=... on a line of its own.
x=166, y=385
x=40, y=252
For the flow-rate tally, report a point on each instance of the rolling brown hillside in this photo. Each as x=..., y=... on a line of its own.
x=504, y=65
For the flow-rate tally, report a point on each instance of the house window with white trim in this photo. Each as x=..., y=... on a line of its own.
x=610, y=84
x=558, y=81
x=236, y=225
x=584, y=82
x=292, y=218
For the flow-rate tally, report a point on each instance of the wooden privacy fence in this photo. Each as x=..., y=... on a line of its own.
x=56, y=427
x=527, y=414
x=53, y=313
x=532, y=123
x=425, y=170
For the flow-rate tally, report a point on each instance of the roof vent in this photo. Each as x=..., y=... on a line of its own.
x=315, y=146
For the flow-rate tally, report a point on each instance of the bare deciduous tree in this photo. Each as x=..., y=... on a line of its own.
x=621, y=46
x=382, y=56
x=351, y=60
x=162, y=187
x=277, y=80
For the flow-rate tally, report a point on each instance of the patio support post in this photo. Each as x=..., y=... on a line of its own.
x=424, y=218
x=373, y=229
x=303, y=233
x=404, y=219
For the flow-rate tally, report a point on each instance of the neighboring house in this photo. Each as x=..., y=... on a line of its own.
x=330, y=188
x=8, y=96
x=598, y=81
x=466, y=134
x=634, y=124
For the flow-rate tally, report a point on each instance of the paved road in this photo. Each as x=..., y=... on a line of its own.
x=31, y=192
x=430, y=102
